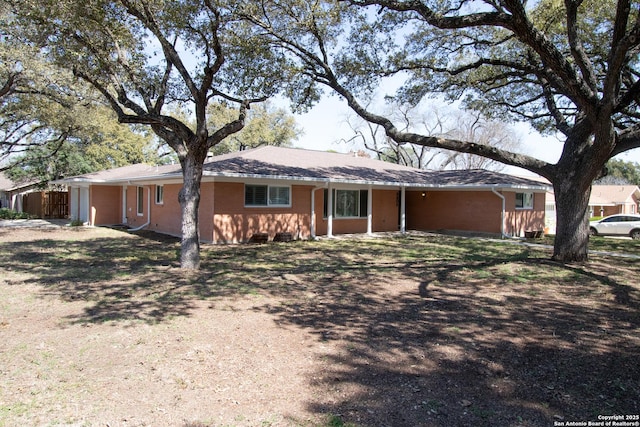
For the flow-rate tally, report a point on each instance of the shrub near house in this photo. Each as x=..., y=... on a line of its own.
x=6, y=213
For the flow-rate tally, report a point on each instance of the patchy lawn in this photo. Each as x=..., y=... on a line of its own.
x=100, y=327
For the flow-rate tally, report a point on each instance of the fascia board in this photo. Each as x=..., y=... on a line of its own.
x=487, y=187
x=227, y=177
x=176, y=178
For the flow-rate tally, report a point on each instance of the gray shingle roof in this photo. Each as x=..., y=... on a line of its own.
x=123, y=174
x=293, y=164
x=7, y=184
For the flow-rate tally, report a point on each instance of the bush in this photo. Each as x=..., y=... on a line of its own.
x=6, y=213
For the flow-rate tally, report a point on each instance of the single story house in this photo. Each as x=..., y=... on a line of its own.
x=604, y=200
x=11, y=193
x=608, y=200
x=271, y=190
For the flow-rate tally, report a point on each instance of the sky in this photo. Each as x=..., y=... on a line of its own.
x=325, y=128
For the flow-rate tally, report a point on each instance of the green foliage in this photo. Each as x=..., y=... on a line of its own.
x=620, y=172
x=108, y=144
x=315, y=28
x=6, y=213
x=336, y=421
x=52, y=125
x=97, y=142
x=150, y=58
x=265, y=125
x=37, y=109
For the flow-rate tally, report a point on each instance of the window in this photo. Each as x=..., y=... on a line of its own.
x=267, y=195
x=524, y=200
x=347, y=203
x=279, y=196
x=140, y=200
x=159, y=194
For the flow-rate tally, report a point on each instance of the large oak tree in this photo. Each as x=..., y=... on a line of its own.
x=569, y=67
x=35, y=114
x=95, y=141
x=149, y=57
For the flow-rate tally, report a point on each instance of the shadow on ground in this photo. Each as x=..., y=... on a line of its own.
x=433, y=331
x=437, y=336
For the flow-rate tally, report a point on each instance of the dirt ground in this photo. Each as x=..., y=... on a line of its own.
x=100, y=328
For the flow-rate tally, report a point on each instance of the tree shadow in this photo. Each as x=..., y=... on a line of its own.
x=132, y=278
x=507, y=339
x=434, y=331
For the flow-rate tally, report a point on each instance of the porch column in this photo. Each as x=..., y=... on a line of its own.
x=403, y=213
x=330, y=211
x=369, y=211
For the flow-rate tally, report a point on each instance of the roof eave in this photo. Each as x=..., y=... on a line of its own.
x=305, y=179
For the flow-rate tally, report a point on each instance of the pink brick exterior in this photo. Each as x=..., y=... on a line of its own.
x=233, y=222
x=133, y=219
x=166, y=217
x=105, y=204
x=517, y=221
x=471, y=211
x=386, y=210
x=600, y=210
x=224, y=218
x=454, y=210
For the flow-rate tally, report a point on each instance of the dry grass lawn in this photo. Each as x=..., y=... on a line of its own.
x=100, y=327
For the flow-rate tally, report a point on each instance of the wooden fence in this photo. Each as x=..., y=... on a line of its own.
x=46, y=204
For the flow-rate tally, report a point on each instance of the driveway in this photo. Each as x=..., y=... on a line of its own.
x=33, y=223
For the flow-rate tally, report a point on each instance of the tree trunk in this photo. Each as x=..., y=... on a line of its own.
x=189, y=198
x=572, y=220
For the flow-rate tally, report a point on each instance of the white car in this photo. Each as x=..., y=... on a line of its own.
x=616, y=225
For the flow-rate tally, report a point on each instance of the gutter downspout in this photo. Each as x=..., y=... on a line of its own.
x=148, y=210
x=502, y=213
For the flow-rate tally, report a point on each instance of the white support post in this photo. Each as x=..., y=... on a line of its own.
x=330, y=211
x=370, y=211
x=403, y=213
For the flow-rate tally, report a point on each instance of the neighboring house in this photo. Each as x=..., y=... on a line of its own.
x=5, y=186
x=11, y=193
x=308, y=193
x=607, y=200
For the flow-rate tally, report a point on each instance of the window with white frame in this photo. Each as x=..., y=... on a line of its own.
x=140, y=200
x=159, y=194
x=267, y=195
x=347, y=203
x=524, y=200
